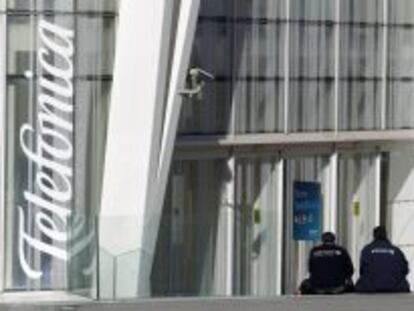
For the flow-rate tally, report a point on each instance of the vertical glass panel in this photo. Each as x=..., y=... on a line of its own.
x=20, y=54
x=247, y=61
x=56, y=121
x=256, y=227
x=20, y=4
x=311, y=97
x=356, y=203
x=191, y=249
x=68, y=5
x=95, y=53
x=400, y=108
x=210, y=111
x=41, y=200
x=258, y=66
x=19, y=98
x=398, y=178
x=266, y=9
x=98, y=5
x=258, y=85
x=305, y=169
x=361, y=54
x=218, y=8
x=312, y=10
x=367, y=11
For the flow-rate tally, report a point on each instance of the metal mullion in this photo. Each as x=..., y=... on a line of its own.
x=333, y=197
x=230, y=226
x=3, y=103
x=279, y=223
x=233, y=114
x=32, y=113
x=337, y=35
x=377, y=206
x=384, y=68
x=287, y=68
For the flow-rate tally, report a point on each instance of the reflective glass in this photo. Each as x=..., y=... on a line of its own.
x=356, y=202
x=303, y=169
x=191, y=251
x=398, y=207
x=400, y=88
x=256, y=227
x=59, y=82
x=361, y=64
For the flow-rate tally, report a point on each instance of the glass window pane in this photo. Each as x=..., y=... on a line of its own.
x=356, y=203
x=68, y=128
x=304, y=169
x=190, y=258
x=256, y=227
x=400, y=108
x=311, y=76
x=95, y=53
x=398, y=167
x=210, y=112
x=361, y=65
x=258, y=77
x=312, y=10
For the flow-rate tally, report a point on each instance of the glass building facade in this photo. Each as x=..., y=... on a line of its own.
x=316, y=91
x=283, y=69
x=74, y=122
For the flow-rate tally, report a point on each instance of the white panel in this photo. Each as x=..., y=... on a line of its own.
x=133, y=194
x=401, y=205
x=180, y=64
x=137, y=99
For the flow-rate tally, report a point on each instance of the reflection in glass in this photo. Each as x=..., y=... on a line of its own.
x=360, y=55
x=256, y=227
x=313, y=169
x=190, y=257
x=356, y=202
x=398, y=165
x=66, y=223
x=400, y=108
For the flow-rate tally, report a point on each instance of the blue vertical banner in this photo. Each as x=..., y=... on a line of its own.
x=307, y=210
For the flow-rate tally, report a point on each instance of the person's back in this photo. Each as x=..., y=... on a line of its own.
x=330, y=268
x=383, y=266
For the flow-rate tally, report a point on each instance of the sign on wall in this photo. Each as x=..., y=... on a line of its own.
x=307, y=210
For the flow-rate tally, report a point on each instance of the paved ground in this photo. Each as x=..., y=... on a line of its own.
x=287, y=303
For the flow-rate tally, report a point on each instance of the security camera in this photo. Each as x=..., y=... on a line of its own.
x=198, y=72
x=196, y=81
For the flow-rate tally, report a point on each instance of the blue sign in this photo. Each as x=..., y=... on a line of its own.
x=307, y=210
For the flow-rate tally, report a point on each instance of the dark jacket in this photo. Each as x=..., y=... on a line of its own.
x=329, y=266
x=383, y=268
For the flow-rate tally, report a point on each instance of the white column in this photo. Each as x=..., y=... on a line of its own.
x=184, y=39
x=377, y=189
x=332, y=209
x=279, y=215
x=140, y=138
x=137, y=98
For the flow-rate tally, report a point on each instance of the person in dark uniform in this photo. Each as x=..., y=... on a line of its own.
x=383, y=266
x=330, y=269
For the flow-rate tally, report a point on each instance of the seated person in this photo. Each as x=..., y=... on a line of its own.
x=383, y=266
x=330, y=269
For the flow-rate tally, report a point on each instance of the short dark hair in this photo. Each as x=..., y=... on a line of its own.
x=328, y=237
x=379, y=233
